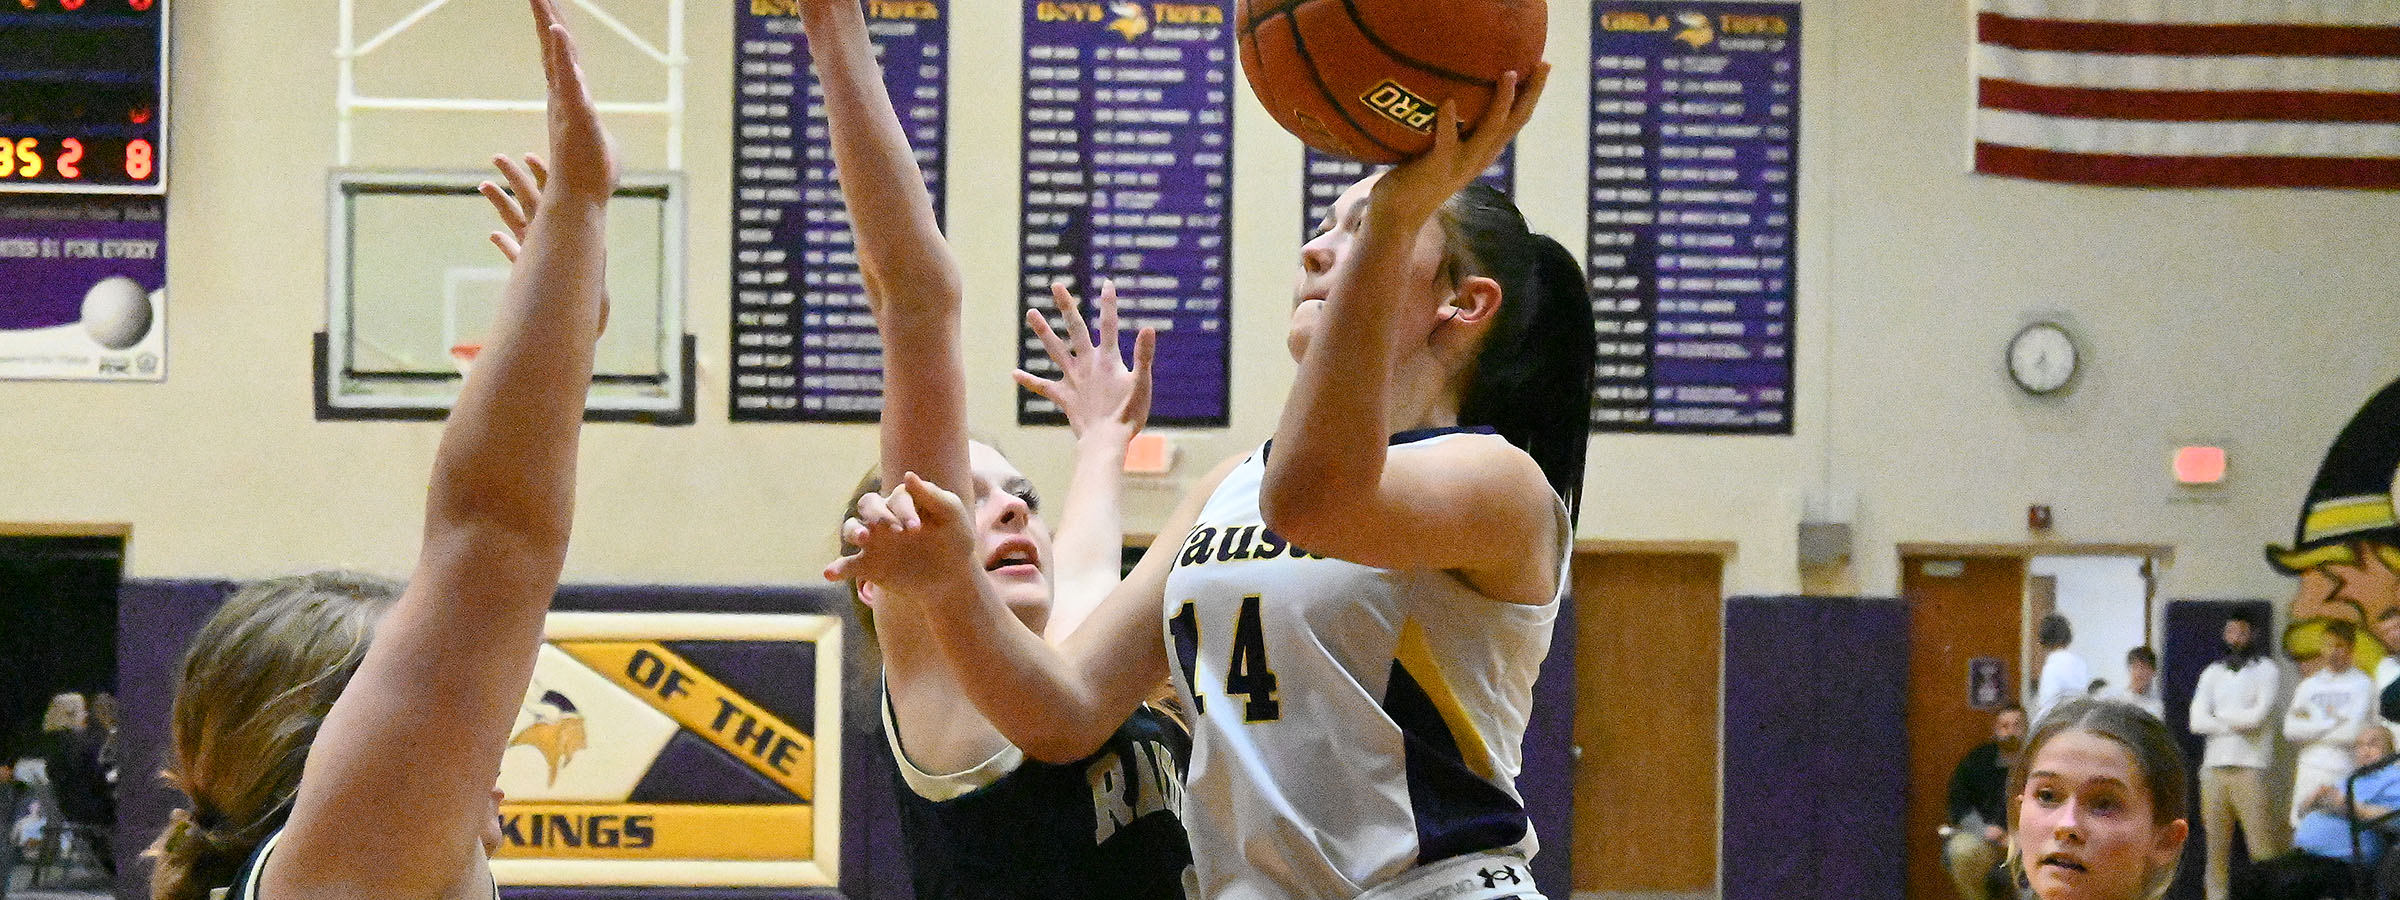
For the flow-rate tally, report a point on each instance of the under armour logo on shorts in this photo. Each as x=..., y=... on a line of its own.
x=1492, y=878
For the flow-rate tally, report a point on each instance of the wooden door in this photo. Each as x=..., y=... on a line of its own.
x=1959, y=608
x=1649, y=654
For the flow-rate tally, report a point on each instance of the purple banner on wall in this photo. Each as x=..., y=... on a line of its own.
x=804, y=342
x=1695, y=113
x=1128, y=136
x=83, y=287
x=1324, y=176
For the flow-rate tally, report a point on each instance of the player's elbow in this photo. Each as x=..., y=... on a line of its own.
x=1060, y=743
x=927, y=290
x=531, y=522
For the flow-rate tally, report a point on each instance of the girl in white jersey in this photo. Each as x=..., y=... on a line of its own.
x=1355, y=612
x=339, y=735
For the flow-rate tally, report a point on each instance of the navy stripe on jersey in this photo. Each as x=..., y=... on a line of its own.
x=1457, y=811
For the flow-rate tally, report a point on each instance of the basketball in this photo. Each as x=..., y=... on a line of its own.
x=1365, y=79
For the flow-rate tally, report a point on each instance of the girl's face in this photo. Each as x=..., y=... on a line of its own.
x=2084, y=827
x=1013, y=542
x=1322, y=257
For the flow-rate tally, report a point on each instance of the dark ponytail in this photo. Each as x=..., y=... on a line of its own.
x=1532, y=381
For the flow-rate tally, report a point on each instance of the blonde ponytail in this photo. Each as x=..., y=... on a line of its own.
x=256, y=682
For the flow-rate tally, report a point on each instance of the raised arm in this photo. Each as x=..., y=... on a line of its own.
x=1333, y=485
x=414, y=744
x=912, y=278
x=1106, y=404
x=1057, y=703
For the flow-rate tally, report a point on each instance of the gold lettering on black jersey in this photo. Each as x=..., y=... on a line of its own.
x=1122, y=793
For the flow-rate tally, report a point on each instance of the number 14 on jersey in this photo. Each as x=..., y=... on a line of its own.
x=1247, y=671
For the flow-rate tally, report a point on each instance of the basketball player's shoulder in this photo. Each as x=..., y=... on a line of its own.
x=1216, y=477
x=1477, y=453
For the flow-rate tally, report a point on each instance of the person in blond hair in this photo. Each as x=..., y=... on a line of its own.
x=70, y=750
x=311, y=704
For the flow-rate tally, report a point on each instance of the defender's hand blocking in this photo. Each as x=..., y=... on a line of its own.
x=1094, y=387
x=913, y=537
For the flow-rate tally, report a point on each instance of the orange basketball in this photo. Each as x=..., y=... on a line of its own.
x=1365, y=79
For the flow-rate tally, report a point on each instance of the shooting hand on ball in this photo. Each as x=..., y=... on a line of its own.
x=1410, y=192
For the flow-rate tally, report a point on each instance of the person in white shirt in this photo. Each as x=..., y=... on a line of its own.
x=2064, y=674
x=2327, y=711
x=2229, y=709
x=2141, y=687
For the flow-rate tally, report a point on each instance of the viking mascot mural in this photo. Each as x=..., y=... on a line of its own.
x=2346, y=549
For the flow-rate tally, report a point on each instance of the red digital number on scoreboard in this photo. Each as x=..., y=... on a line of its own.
x=25, y=159
x=137, y=159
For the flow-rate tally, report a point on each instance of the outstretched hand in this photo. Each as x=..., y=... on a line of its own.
x=914, y=535
x=1094, y=388
x=580, y=155
x=516, y=205
x=517, y=202
x=1410, y=192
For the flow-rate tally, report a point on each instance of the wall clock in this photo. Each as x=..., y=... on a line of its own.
x=2043, y=358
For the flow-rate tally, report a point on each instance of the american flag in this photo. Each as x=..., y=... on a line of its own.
x=2190, y=93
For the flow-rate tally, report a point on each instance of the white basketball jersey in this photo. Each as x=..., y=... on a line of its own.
x=1350, y=723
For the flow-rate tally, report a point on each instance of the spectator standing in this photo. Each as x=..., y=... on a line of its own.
x=2229, y=709
x=70, y=751
x=2328, y=710
x=2141, y=683
x=2064, y=674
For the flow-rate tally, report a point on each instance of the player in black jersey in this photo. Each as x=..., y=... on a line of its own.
x=339, y=735
x=981, y=818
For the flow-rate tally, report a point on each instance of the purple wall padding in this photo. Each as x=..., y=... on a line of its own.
x=156, y=619
x=2194, y=636
x=1816, y=748
x=1547, y=782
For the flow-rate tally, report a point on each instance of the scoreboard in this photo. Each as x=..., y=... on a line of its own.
x=83, y=88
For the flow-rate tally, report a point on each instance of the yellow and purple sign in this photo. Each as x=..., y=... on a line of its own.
x=677, y=749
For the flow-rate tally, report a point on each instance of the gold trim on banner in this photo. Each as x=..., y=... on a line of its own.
x=571, y=831
x=706, y=707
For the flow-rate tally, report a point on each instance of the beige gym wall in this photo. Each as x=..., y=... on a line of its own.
x=2258, y=319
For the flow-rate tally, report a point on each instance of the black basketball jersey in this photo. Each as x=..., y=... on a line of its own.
x=1108, y=827
x=245, y=882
